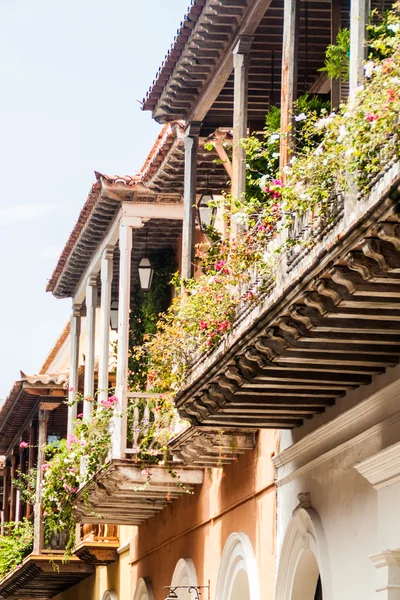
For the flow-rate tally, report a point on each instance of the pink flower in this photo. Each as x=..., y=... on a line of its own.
x=371, y=117
x=113, y=399
x=219, y=265
x=72, y=439
x=203, y=324
x=45, y=466
x=80, y=416
x=24, y=445
x=71, y=389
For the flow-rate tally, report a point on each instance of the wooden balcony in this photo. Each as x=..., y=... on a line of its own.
x=98, y=545
x=328, y=323
x=132, y=489
x=43, y=576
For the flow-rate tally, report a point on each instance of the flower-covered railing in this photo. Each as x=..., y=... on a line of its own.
x=339, y=156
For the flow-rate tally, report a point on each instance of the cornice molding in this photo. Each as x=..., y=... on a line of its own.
x=382, y=469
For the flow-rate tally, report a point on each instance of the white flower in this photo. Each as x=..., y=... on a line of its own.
x=301, y=117
x=274, y=137
x=394, y=27
x=318, y=151
x=342, y=133
x=240, y=218
x=292, y=160
x=324, y=122
x=275, y=155
x=349, y=152
x=369, y=68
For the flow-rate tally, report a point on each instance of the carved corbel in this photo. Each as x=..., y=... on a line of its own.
x=371, y=247
x=314, y=300
x=356, y=261
x=389, y=233
x=297, y=312
x=325, y=287
x=341, y=277
x=218, y=394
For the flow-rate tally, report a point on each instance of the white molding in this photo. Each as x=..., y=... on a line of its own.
x=124, y=548
x=153, y=211
x=354, y=422
x=184, y=573
x=110, y=595
x=382, y=469
x=304, y=532
x=364, y=436
x=144, y=589
x=238, y=555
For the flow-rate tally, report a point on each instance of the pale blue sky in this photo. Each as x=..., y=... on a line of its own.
x=70, y=77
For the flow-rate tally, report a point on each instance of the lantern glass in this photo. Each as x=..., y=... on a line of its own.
x=206, y=213
x=145, y=273
x=114, y=315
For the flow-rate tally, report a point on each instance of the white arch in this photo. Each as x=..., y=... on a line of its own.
x=110, y=595
x=184, y=574
x=303, y=546
x=238, y=574
x=144, y=589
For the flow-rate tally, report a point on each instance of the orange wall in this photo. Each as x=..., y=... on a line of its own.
x=241, y=499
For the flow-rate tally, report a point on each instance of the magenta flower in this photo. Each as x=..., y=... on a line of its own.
x=71, y=389
x=45, y=466
x=24, y=445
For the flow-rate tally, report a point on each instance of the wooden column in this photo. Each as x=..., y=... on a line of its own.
x=31, y=461
x=189, y=198
x=42, y=440
x=124, y=300
x=291, y=24
x=12, y=488
x=6, y=490
x=20, y=506
x=91, y=303
x=105, y=306
x=241, y=59
x=359, y=14
x=336, y=13
x=75, y=332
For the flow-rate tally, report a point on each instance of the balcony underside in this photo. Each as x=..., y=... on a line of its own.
x=329, y=328
x=39, y=578
x=208, y=447
x=125, y=494
x=97, y=553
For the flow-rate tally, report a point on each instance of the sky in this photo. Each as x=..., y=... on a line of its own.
x=71, y=75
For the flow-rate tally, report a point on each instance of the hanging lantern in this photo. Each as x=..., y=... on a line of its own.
x=114, y=315
x=205, y=213
x=146, y=272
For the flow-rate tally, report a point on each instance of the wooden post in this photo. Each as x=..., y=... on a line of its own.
x=359, y=13
x=6, y=487
x=42, y=440
x=31, y=462
x=22, y=469
x=336, y=13
x=124, y=301
x=91, y=303
x=291, y=23
x=75, y=332
x=189, y=198
x=12, y=487
x=105, y=309
x=241, y=59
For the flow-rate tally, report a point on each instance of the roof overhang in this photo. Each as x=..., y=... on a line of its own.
x=43, y=577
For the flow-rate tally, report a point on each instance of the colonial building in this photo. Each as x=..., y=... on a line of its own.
x=283, y=480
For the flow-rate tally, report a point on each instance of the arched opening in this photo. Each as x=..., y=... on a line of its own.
x=185, y=575
x=307, y=580
x=144, y=589
x=237, y=575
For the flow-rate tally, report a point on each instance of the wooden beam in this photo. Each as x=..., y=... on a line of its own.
x=75, y=332
x=359, y=13
x=291, y=25
x=105, y=311
x=42, y=440
x=91, y=304
x=189, y=198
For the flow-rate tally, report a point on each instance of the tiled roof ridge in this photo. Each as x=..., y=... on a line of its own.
x=53, y=352
x=174, y=53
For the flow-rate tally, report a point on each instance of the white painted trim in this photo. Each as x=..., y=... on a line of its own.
x=365, y=415
x=152, y=211
x=304, y=532
x=124, y=548
x=364, y=436
x=110, y=595
x=93, y=267
x=238, y=554
x=144, y=589
x=184, y=573
x=382, y=469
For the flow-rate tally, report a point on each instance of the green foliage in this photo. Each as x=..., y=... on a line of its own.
x=15, y=545
x=337, y=56
x=146, y=308
x=26, y=484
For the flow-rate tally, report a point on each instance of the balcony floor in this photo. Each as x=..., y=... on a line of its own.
x=125, y=494
x=43, y=577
